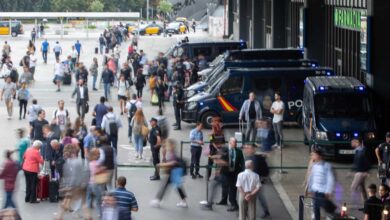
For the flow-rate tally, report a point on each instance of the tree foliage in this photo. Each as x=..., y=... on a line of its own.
x=71, y=5
x=96, y=6
x=165, y=7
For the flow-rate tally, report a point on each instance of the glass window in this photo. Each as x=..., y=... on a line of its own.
x=205, y=51
x=265, y=89
x=232, y=85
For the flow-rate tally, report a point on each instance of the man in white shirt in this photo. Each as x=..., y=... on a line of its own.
x=61, y=116
x=33, y=63
x=248, y=184
x=277, y=109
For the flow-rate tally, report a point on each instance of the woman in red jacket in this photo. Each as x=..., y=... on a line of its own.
x=32, y=159
x=9, y=173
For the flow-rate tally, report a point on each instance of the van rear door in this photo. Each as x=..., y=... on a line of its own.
x=231, y=98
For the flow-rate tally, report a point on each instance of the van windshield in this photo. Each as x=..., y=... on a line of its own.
x=338, y=105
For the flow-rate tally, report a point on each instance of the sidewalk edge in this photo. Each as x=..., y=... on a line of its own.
x=284, y=197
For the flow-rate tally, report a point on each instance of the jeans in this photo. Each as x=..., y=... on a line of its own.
x=57, y=55
x=262, y=201
x=278, y=132
x=106, y=90
x=166, y=183
x=319, y=199
x=101, y=48
x=22, y=106
x=9, y=202
x=44, y=56
x=130, y=129
x=250, y=134
x=94, y=79
x=139, y=92
x=81, y=108
x=232, y=189
x=139, y=143
x=94, y=192
x=114, y=141
x=178, y=112
x=196, y=152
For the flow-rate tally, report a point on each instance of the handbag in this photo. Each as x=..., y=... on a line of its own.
x=86, y=107
x=102, y=178
x=144, y=130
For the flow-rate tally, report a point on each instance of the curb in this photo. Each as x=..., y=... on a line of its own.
x=284, y=197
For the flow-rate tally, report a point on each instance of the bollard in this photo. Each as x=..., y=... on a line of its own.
x=281, y=159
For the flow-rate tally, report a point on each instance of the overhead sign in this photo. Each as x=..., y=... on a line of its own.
x=348, y=18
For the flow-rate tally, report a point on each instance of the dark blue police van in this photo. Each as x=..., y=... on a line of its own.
x=225, y=96
x=336, y=109
x=221, y=67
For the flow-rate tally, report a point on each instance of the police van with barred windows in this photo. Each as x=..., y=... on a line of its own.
x=335, y=110
x=227, y=94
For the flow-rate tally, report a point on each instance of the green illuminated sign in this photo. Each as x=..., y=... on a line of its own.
x=348, y=18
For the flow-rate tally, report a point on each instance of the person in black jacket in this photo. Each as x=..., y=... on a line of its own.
x=108, y=79
x=178, y=102
x=361, y=166
x=161, y=87
x=260, y=167
x=139, y=83
x=82, y=73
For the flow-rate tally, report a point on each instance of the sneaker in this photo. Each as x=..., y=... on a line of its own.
x=155, y=203
x=274, y=146
x=154, y=178
x=136, y=157
x=182, y=204
x=193, y=176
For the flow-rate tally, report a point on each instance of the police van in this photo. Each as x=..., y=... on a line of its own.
x=335, y=110
x=225, y=96
x=209, y=49
x=220, y=69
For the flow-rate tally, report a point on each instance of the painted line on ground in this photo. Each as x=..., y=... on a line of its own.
x=284, y=197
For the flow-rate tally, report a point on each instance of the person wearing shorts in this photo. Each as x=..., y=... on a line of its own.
x=7, y=94
x=123, y=88
x=58, y=74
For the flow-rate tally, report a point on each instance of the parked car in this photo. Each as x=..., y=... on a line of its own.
x=149, y=29
x=176, y=28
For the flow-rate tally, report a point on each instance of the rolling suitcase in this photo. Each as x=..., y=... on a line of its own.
x=53, y=191
x=96, y=50
x=43, y=187
x=67, y=79
x=240, y=137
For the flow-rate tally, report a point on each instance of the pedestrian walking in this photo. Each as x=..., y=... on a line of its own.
x=139, y=128
x=178, y=104
x=102, y=43
x=373, y=205
x=33, y=64
x=82, y=73
x=57, y=49
x=261, y=168
x=33, y=35
x=61, y=116
x=236, y=165
x=125, y=200
x=161, y=88
x=89, y=141
x=155, y=145
x=31, y=47
x=277, y=109
x=45, y=49
x=32, y=160
x=196, y=138
x=7, y=94
x=382, y=153
x=111, y=124
x=175, y=170
x=32, y=112
x=123, y=92
x=94, y=190
x=9, y=174
x=108, y=80
x=6, y=49
x=25, y=77
x=221, y=160
x=78, y=48
x=99, y=111
x=37, y=126
x=23, y=95
x=107, y=161
x=93, y=70
x=216, y=136
x=248, y=185
x=250, y=112
x=58, y=74
x=80, y=131
x=131, y=108
x=361, y=166
x=139, y=83
x=22, y=144
x=320, y=183
x=82, y=98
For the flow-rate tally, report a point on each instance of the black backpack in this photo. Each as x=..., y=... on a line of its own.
x=132, y=110
x=112, y=125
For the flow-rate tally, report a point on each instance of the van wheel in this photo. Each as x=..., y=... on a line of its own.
x=207, y=118
x=14, y=34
